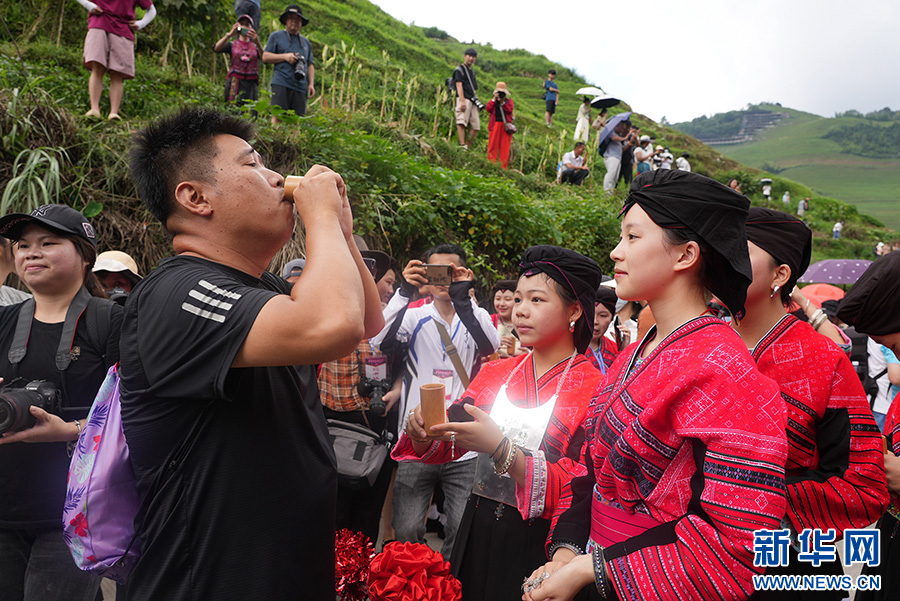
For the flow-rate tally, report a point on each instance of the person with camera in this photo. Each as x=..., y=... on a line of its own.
x=500, y=134
x=467, y=103
x=446, y=340
x=361, y=389
x=242, y=81
x=293, y=80
x=55, y=351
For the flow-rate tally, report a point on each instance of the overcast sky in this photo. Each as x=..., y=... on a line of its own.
x=697, y=57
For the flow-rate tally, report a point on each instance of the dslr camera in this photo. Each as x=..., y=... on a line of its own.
x=300, y=68
x=15, y=403
x=477, y=103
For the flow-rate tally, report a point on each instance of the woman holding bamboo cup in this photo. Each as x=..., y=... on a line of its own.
x=523, y=416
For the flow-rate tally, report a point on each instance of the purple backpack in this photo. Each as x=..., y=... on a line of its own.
x=101, y=495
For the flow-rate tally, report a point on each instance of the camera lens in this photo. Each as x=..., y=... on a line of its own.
x=6, y=416
x=14, y=409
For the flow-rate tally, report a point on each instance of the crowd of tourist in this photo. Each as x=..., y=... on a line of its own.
x=614, y=437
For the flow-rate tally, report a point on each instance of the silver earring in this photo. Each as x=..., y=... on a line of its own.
x=572, y=326
x=775, y=291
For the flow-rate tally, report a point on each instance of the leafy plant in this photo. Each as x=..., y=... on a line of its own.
x=35, y=182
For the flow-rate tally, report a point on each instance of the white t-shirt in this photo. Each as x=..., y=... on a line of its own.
x=682, y=164
x=570, y=159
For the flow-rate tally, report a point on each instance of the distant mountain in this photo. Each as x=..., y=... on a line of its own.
x=853, y=157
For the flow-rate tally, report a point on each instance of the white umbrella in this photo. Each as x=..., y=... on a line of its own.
x=590, y=91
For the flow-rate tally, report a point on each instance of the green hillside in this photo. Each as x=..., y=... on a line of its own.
x=814, y=150
x=382, y=118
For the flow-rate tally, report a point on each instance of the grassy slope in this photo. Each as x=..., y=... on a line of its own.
x=408, y=182
x=796, y=149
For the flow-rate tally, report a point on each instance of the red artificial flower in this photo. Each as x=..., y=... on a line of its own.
x=411, y=572
x=352, y=553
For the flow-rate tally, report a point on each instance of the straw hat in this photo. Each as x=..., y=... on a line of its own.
x=501, y=87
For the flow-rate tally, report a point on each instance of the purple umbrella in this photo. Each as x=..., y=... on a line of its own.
x=610, y=126
x=835, y=271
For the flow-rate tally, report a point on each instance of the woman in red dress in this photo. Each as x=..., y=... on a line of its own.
x=500, y=108
x=835, y=469
x=527, y=417
x=686, y=440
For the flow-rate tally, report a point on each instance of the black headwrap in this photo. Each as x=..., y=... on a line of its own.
x=505, y=285
x=606, y=296
x=872, y=305
x=574, y=272
x=784, y=237
x=714, y=213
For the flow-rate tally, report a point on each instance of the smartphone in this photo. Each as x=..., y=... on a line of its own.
x=457, y=413
x=439, y=275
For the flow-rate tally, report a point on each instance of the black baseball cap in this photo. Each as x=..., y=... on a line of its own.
x=58, y=218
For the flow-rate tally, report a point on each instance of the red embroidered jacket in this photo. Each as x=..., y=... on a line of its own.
x=608, y=352
x=559, y=459
x=835, y=467
x=693, y=436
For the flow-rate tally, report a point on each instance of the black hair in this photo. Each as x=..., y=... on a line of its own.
x=471, y=52
x=579, y=145
x=712, y=263
x=178, y=147
x=505, y=285
x=584, y=325
x=88, y=254
x=447, y=249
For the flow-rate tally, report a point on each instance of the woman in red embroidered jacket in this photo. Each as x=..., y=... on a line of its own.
x=835, y=466
x=531, y=443
x=686, y=437
x=603, y=350
x=872, y=306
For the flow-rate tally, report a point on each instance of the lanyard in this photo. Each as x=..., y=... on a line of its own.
x=599, y=358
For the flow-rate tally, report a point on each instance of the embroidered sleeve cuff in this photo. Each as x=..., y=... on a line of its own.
x=531, y=496
x=563, y=544
x=404, y=451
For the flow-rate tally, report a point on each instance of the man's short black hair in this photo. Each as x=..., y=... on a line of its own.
x=447, y=249
x=579, y=145
x=175, y=148
x=470, y=52
x=553, y=71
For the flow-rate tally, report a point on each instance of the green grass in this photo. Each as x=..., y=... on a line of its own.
x=796, y=149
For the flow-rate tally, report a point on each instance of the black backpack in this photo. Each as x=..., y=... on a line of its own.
x=451, y=85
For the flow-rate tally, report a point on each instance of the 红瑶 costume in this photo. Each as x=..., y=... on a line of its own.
x=835, y=467
x=686, y=459
x=502, y=540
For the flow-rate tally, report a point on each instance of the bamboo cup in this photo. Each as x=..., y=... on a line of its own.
x=290, y=184
x=432, y=401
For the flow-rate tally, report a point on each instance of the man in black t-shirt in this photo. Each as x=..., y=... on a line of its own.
x=229, y=446
x=466, y=110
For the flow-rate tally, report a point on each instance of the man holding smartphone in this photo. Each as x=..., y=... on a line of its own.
x=469, y=334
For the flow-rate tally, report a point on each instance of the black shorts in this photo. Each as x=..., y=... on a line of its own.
x=551, y=106
x=289, y=99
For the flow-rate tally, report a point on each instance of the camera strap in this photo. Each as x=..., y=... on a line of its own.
x=450, y=348
x=19, y=346
x=469, y=77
